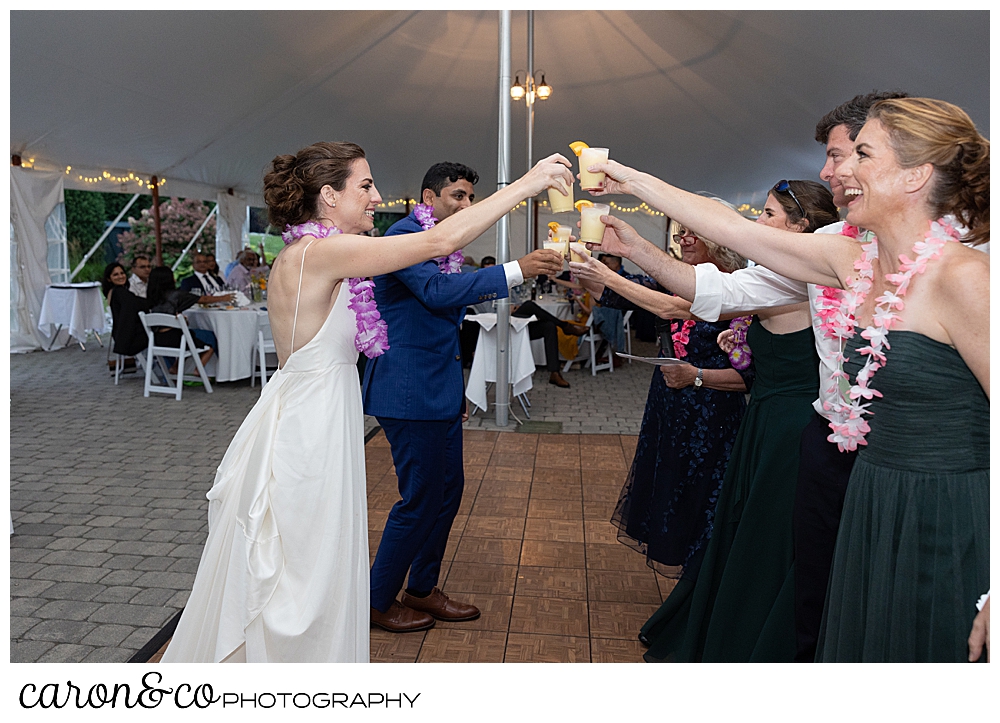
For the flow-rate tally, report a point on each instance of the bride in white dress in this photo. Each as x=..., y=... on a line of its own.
x=284, y=573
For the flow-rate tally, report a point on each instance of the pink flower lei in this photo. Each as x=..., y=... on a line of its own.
x=372, y=337
x=838, y=312
x=450, y=264
x=680, y=336
x=740, y=356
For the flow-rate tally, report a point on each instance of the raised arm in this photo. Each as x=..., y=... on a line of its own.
x=824, y=261
x=623, y=240
x=596, y=274
x=348, y=256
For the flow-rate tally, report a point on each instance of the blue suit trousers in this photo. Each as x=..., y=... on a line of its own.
x=429, y=467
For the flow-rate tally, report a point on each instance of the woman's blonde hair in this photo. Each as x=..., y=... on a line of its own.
x=925, y=130
x=726, y=258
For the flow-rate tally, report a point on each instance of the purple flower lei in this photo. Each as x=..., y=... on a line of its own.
x=450, y=264
x=740, y=356
x=372, y=337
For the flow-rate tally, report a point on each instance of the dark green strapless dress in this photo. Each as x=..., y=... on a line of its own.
x=913, y=551
x=735, y=600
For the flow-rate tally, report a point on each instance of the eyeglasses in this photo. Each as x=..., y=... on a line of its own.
x=678, y=237
x=784, y=187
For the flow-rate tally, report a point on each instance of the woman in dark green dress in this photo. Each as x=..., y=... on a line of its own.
x=916, y=511
x=911, y=564
x=735, y=602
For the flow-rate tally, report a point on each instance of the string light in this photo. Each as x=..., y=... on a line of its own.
x=398, y=202
x=641, y=208
x=106, y=176
x=743, y=208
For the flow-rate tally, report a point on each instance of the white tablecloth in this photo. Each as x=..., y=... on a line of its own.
x=556, y=306
x=77, y=308
x=484, y=364
x=236, y=330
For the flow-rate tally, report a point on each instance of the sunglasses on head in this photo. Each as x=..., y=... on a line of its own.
x=784, y=187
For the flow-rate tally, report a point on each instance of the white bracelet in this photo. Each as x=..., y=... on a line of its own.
x=982, y=601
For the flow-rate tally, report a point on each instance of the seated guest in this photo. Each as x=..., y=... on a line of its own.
x=581, y=306
x=239, y=277
x=609, y=322
x=469, y=266
x=127, y=333
x=213, y=265
x=114, y=275
x=547, y=327
x=202, y=277
x=232, y=264
x=163, y=298
x=141, y=267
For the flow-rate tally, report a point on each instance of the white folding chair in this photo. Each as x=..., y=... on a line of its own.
x=156, y=355
x=265, y=346
x=140, y=360
x=593, y=339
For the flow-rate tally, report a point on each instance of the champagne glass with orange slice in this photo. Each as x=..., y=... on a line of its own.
x=589, y=156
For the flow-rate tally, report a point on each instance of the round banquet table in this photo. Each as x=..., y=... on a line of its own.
x=236, y=331
x=556, y=306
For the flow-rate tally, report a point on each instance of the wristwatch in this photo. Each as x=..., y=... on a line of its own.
x=700, y=379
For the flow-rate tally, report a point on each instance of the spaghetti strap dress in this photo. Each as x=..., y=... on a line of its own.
x=284, y=573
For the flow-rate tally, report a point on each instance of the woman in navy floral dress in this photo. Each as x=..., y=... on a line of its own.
x=667, y=505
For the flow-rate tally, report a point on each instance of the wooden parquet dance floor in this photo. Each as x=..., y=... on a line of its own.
x=533, y=548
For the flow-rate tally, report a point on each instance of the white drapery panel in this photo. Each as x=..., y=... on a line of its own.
x=232, y=229
x=33, y=196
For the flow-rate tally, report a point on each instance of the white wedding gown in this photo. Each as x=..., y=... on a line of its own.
x=284, y=573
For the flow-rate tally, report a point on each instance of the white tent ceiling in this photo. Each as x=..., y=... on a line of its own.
x=719, y=101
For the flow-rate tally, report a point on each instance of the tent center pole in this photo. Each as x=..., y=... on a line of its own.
x=529, y=235
x=503, y=225
x=154, y=181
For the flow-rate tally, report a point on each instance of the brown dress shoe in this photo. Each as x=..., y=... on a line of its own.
x=557, y=379
x=401, y=619
x=441, y=606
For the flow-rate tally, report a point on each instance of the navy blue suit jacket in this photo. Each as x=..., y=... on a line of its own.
x=420, y=377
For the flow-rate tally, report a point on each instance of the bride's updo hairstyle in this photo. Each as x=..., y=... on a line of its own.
x=924, y=130
x=291, y=187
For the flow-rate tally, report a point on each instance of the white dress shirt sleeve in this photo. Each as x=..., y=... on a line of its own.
x=512, y=270
x=718, y=293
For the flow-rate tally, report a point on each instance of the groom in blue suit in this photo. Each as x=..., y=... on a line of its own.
x=415, y=390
